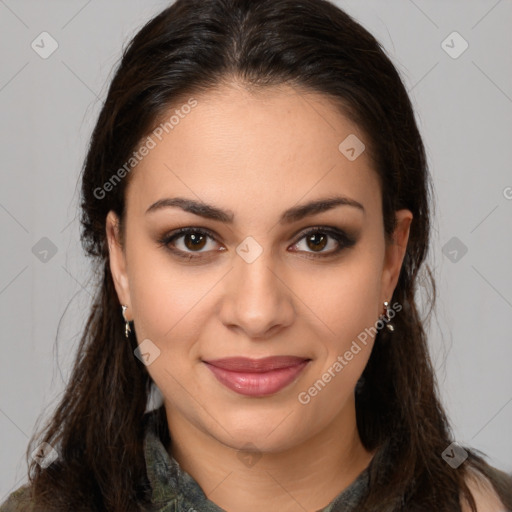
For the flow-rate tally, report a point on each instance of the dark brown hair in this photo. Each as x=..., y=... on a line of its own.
x=189, y=48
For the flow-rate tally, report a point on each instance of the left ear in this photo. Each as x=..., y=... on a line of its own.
x=395, y=252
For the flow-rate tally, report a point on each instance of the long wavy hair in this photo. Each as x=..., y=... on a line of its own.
x=189, y=48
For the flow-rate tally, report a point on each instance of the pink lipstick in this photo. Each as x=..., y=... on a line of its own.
x=257, y=377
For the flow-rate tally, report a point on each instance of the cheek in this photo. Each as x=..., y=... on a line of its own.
x=350, y=308
x=346, y=299
x=169, y=309
x=164, y=294
x=350, y=312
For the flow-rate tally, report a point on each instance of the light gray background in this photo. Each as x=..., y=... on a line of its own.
x=464, y=109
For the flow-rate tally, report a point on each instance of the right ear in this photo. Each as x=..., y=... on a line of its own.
x=117, y=259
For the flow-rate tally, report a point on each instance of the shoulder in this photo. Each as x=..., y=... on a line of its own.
x=18, y=501
x=486, y=498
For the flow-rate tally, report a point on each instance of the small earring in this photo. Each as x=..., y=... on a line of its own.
x=127, y=329
x=389, y=325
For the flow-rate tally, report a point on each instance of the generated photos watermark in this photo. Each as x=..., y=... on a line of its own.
x=144, y=149
x=305, y=397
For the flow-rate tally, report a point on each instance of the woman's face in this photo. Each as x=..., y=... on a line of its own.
x=256, y=285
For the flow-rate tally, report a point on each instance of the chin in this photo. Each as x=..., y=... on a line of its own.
x=255, y=434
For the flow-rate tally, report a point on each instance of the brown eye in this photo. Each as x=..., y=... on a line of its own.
x=187, y=241
x=316, y=241
x=194, y=241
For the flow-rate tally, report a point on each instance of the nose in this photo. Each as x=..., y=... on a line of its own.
x=258, y=301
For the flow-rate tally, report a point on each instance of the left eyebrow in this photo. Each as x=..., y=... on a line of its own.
x=227, y=216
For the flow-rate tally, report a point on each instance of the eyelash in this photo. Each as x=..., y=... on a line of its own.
x=339, y=236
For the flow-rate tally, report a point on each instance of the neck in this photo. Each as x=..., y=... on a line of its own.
x=306, y=477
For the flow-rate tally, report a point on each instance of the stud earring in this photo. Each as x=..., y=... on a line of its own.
x=389, y=326
x=127, y=328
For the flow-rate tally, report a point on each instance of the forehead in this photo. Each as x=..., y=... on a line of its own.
x=251, y=149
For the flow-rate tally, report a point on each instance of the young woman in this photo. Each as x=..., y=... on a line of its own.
x=257, y=201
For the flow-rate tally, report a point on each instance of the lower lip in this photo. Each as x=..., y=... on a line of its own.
x=257, y=384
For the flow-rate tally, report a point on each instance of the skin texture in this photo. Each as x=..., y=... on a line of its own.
x=485, y=496
x=258, y=154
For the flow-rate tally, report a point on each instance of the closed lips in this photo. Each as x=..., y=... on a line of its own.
x=248, y=365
